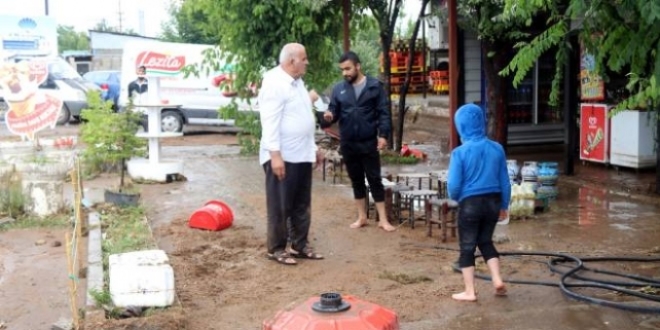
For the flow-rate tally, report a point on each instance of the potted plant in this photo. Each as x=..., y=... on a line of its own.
x=110, y=139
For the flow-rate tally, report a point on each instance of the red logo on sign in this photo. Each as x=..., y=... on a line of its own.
x=161, y=62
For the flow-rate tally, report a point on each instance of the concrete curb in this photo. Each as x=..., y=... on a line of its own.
x=94, y=267
x=94, y=257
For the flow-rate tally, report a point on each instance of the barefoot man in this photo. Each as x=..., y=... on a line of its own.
x=360, y=105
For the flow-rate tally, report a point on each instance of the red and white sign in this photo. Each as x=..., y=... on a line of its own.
x=160, y=63
x=594, y=132
x=30, y=109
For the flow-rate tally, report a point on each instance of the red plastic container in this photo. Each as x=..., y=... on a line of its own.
x=214, y=215
x=334, y=312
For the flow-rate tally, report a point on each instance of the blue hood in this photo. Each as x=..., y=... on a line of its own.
x=470, y=121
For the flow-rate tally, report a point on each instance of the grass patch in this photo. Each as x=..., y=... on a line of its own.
x=391, y=157
x=24, y=222
x=404, y=278
x=124, y=230
x=101, y=298
x=12, y=199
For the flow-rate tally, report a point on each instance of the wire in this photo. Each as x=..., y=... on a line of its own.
x=575, y=265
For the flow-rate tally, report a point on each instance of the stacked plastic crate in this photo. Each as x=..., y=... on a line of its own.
x=400, y=58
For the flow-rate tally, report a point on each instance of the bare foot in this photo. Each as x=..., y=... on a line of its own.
x=463, y=297
x=358, y=224
x=500, y=290
x=386, y=226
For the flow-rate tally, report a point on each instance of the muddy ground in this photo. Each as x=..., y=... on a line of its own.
x=224, y=281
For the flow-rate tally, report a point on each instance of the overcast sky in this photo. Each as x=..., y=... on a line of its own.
x=85, y=14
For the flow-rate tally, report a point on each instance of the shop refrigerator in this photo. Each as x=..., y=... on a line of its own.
x=531, y=117
x=594, y=132
x=632, y=140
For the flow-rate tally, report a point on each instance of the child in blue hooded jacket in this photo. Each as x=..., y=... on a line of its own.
x=478, y=180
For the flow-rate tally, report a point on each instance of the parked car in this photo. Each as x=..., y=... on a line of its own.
x=110, y=83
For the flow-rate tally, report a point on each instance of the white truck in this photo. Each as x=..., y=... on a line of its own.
x=197, y=98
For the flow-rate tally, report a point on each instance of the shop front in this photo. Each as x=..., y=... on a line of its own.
x=625, y=138
x=532, y=120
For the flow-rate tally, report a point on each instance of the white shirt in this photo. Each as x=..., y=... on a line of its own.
x=287, y=121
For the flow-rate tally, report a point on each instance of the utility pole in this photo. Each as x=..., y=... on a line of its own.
x=46, y=6
x=120, y=15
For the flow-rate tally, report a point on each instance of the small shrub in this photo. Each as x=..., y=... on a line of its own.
x=248, y=122
x=110, y=137
x=12, y=199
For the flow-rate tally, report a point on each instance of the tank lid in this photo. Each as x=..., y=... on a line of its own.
x=330, y=302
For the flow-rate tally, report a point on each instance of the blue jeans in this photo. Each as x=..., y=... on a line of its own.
x=477, y=218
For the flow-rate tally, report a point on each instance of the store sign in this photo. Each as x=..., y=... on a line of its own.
x=30, y=109
x=160, y=63
x=592, y=87
x=28, y=36
x=594, y=133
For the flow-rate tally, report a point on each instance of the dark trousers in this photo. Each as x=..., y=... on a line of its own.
x=477, y=218
x=361, y=162
x=288, y=203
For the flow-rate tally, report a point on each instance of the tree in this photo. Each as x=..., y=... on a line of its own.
x=497, y=37
x=70, y=39
x=364, y=42
x=104, y=26
x=622, y=35
x=253, y=45
x=406, y=82
x=110, y=136
x=386, y=13
x=184, y=26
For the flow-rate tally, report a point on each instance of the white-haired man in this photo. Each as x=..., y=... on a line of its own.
x=288, y=155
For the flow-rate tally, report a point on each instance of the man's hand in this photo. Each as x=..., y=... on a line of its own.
x=503, y=215
x=382, y=143
x=319, y=159
x=328, y=116
x=277, y=165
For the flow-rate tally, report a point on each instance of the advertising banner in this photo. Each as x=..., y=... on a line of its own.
x=592, y=87
x=30, y=109
x=28, y=35
x=594, y=132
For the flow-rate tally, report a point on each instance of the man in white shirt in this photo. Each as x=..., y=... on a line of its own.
x=288, y=153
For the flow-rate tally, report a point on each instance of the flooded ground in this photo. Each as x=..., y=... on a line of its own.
x=224, y=281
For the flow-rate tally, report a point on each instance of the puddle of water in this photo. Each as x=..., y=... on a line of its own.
x=621, y=226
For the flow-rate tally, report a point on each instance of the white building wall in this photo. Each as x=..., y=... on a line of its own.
x=108, y=48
